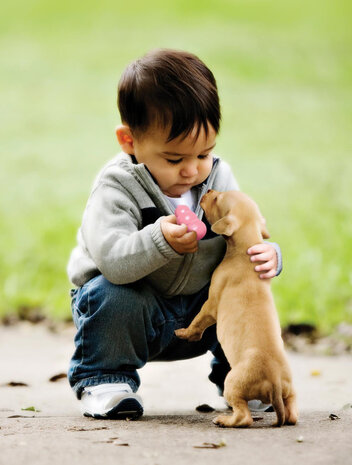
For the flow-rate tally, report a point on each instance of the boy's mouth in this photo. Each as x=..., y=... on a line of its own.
x=183, y=186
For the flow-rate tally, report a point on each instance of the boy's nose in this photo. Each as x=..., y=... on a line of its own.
x=190, y=170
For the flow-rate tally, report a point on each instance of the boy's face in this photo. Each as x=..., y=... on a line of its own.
x=177, y=165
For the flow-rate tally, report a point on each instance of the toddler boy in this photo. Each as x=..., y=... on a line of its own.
x=139, y=275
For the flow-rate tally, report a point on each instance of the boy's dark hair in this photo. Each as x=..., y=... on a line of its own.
x=172, y=89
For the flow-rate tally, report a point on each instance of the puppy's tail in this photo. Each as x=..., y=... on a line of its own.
x=278, y=404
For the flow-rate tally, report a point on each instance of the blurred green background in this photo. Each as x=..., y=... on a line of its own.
x=284, y=73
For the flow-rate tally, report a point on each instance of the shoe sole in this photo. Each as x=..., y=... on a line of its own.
x=267, y=409
x=127, y=408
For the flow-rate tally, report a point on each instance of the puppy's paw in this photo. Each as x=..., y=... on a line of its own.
x=182, y=333
x=291, y=420
x=223, y=421
x=185, y=333
x=233, y=421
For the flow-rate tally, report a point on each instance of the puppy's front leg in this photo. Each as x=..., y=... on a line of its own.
x=205, y=318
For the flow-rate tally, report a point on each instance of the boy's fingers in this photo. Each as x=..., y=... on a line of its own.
x=259, y=248
x=269, y=274
x=192, y=248
x=188, y=238
x=263, y=257
x=177, y=231
x=267, y=266
x=171, y=219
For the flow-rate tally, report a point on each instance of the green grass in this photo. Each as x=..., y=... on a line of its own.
x=284, y=72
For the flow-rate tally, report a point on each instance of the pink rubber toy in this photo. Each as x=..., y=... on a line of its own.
x=185, y=216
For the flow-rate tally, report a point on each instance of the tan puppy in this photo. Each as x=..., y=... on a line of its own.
x=242, y=306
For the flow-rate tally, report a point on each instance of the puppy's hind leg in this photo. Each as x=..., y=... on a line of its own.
x=241, y=416
x=200, y=323
x=291, y=411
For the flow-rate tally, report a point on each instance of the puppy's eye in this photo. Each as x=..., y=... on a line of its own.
x=215, y=198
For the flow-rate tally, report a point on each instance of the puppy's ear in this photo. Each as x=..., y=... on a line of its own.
x=226, y=225
x=263, y=229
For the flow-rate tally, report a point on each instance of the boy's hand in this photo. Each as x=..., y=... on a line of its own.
x=177, y=236
x=266, y=254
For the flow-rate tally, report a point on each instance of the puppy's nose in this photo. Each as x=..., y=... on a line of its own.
x=209, y=190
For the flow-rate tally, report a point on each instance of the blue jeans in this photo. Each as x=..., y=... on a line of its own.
x=122, y=327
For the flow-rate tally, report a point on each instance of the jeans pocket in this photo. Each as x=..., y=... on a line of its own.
x=79, y=303
x=73, y=294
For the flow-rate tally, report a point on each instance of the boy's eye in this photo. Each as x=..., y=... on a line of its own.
x=176, y=162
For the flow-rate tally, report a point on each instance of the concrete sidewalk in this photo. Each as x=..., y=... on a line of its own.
x=171, y=431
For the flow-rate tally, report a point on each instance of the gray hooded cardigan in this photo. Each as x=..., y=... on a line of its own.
x=120, y=236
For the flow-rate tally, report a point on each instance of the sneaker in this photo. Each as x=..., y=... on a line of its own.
x=258, y=406
x=112, y=400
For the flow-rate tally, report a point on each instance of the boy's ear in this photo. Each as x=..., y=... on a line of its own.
x=226, y=225
x=125, y=138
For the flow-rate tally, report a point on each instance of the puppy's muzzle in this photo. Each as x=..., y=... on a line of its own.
x=206, y=196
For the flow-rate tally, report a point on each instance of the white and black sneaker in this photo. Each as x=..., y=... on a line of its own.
x=111, y=401
x=256, y=406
